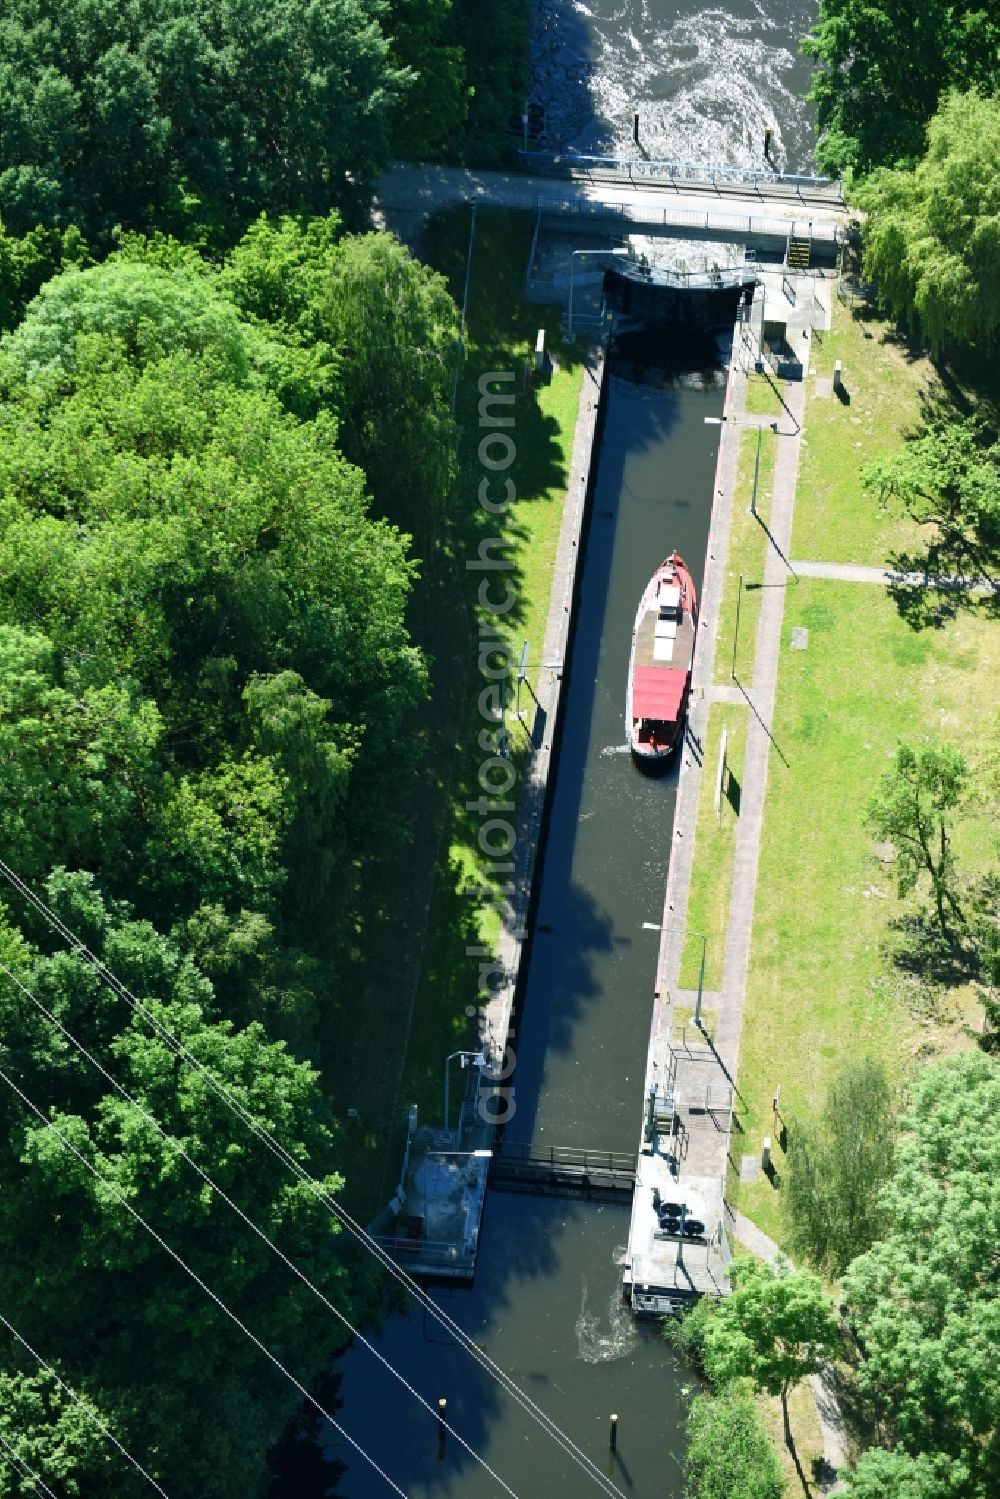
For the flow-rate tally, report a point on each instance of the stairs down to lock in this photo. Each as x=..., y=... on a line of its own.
x=799, y=251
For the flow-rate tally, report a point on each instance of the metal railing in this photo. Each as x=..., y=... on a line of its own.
x=647, y=215
x=557, y=1156
x=428, y=1251
x=677, y=171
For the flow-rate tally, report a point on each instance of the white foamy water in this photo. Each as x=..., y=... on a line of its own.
x=601, y=1338
x=706, y=81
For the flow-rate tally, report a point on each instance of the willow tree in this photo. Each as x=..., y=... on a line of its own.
x=932, y=238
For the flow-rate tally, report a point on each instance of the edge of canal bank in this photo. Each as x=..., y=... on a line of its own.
x=514, y=946
x=443, y=1178
x=685, y=1149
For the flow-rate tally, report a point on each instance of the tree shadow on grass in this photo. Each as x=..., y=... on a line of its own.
x=939, y=601
x=411, y=915
x=937, y=963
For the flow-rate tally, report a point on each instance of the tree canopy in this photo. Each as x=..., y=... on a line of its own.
x=948, y=477
x=881, y=67
x=923, y=1298
x=897, y=1475
x=193, y=117
x=127, y=1312
x=777, y=1326
x=838, y=1163
x=932, y=240
x=392, y=328
x=912, y=808
x=729, y=1451
x=190, y=117
x=204, y=672
x=226, y=450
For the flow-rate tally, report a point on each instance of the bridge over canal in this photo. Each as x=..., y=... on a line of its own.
x=599, y=196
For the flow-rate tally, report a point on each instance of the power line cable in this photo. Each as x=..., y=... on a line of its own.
x=90, y=1414
x=36, y=1480
x=507, y=1383
x=245, y=1218
x=520, y=1397
x=202, y=1285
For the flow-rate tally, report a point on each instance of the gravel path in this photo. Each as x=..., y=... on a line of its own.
x=823, y=1384
x=887, y=577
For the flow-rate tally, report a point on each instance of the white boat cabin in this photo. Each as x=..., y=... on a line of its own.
x=668, y=617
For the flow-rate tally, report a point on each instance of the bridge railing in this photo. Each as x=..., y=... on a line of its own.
x=557, y=1156
x=677, y=171
x=646, y=215
x=427, y=1251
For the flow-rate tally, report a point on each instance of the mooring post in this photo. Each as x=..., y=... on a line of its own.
x=613, y=1437
x=442, y=1407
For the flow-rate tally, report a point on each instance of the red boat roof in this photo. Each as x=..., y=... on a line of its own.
x=657, y=692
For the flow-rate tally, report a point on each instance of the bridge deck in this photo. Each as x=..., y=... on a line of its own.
x=652, y=207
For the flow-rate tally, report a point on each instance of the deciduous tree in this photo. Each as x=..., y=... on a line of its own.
x=912, y=809
x=94, y=1290
x=897, y=1475
x=838, y=1164
x=880, y=67
x=190, y=117
x=776, y=1327
x=932, y=237
x=729, y=1451
x=923, y=1299
x=949, y=478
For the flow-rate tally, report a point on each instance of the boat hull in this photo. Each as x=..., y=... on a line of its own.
x=660, y=661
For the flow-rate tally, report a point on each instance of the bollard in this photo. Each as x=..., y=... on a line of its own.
x=613, y=1438
x=442, y=1407
x=767, y=143
x=635, y=127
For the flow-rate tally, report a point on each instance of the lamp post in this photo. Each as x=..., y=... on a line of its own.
x=759, y=427
x=521, y=673
x=621, y=250
x=476, y=1057
x=756, y=474
x=701, y=983
x=736, y=631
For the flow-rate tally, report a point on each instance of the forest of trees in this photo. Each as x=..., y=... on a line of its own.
x=915, y=1336
x=202, y=621
x=907, y=102
x=192, y=116
x=226, y=455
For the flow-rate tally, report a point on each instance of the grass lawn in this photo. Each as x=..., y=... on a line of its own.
x=714, y=849
x=411, y=980
x=745, y=558
x=807, y=1435
x=888, y=389
x=820, y=986
x=765, y=397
